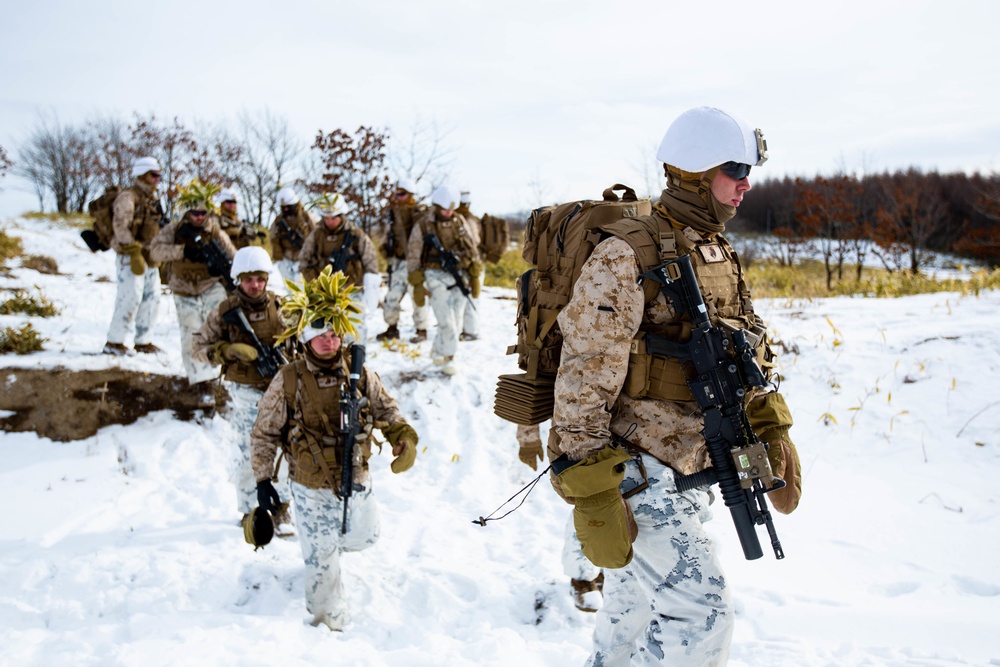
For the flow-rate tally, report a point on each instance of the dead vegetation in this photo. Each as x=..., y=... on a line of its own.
x=65, y=405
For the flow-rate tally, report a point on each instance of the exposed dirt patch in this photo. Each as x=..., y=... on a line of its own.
x=63, y=405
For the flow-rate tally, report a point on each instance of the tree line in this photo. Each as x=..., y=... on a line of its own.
x=897, y=218
x=68, y=165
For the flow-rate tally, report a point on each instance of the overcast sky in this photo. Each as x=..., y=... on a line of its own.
x=562, y=97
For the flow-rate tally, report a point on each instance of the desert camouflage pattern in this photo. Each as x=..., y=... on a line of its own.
x=322, y=242
x=192, y=312
x=273, y=416
x=262, y=314
x=318, y=513
x=453, y=233
x=598, y=324
x=398, y=287
x=188, y=278
x=134, y=217
x=282, y=248
x=136, y=303
x=670, y=605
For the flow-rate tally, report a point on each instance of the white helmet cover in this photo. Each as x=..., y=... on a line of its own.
x=331, y=204
x=227, y=194
x=706, y=137
x=447, y=197
x=286, y=197
x=408, y=184
x=466, y=197
x=252, y=259
x=144, y=165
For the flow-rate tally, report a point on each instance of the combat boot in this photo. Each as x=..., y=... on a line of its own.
x=147, y=348
x=449, y=366
x=420, y=337
x=467, y=336
x=115, y=349
x=587, y=594
x=392, y=333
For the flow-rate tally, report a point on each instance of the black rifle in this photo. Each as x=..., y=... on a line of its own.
x=724, y=369
x=286, y=233
x=339, y=258
x=390, y=243
x=449, y=263
x=350, y=407
x=208, y=252
x=269, y=359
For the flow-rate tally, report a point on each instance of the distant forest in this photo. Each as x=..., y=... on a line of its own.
x=898, y=216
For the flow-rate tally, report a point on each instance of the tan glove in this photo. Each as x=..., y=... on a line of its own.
x=771, y=420
x=475, y=284
x=136, y=260
x=419, y=296
x=239, y=352
x=531, y=453
x=404, y=441
x=603, y=520
x=415, y=278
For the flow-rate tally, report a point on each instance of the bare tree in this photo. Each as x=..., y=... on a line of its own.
x=422, y=153
x=56, y=160
x=115, y=152
x=268, y=153
x=5, y=163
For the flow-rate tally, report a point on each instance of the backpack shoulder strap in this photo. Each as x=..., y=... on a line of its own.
x=653, y=240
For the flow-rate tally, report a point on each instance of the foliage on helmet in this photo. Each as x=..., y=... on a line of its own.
x=328, y=298
x=329, y=204
x=198, y=195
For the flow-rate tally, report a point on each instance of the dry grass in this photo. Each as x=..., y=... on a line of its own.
x=28, y=304
x=20, y=341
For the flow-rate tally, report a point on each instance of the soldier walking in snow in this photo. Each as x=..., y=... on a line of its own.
x=288, y=232
x=197, y=288
x=225, y=341
x=401, y=216
x=665, y=596
x=440, y=253
x=310, y=399
x=136, y=220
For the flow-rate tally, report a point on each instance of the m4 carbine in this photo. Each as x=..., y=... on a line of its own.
x=339, y=258
x=286, y=233
x=269, y=359
x=207, y=252
x=449, y=264
x=724, y=369
x=350, y=409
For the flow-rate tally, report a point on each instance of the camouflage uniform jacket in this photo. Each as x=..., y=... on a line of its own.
x=607, y=310
x=135, y=217
x=474, y=225
x=453, y=233
x=362, y=257
x=188, y=278
x=313, y=419
x=262, y=313
x=234, y=229
x=288, y=235
x=401, y=219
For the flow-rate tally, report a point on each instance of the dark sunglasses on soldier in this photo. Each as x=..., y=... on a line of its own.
x=736, y=170
x=155, y=174
x=198, y=214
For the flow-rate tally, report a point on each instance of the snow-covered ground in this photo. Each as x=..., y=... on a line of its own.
x=123, y=549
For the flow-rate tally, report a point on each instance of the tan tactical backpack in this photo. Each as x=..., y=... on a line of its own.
x=557, y=240
x=496, y=238
x=98, y=237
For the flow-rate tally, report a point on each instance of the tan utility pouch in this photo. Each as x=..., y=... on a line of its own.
x=654, y=376
x=523, y=401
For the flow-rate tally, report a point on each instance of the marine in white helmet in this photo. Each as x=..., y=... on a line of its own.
x=136, y=220
x=225, y=340
x=439, y=236
x=288, y=233
x=665, y=596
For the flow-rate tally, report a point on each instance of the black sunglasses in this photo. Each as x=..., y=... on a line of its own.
x=736, y=170
x=198, y=214
x=155, y=174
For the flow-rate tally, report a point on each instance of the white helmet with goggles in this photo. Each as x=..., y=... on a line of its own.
x=706, y=137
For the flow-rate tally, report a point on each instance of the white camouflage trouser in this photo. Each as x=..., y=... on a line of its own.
x=192, y=311
x=398, y=286
x=318, y=514
x=448, y=305
x=242, y=415
x=470, y=316
x=670, y=605
x=289, y=269
x=136, y=301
